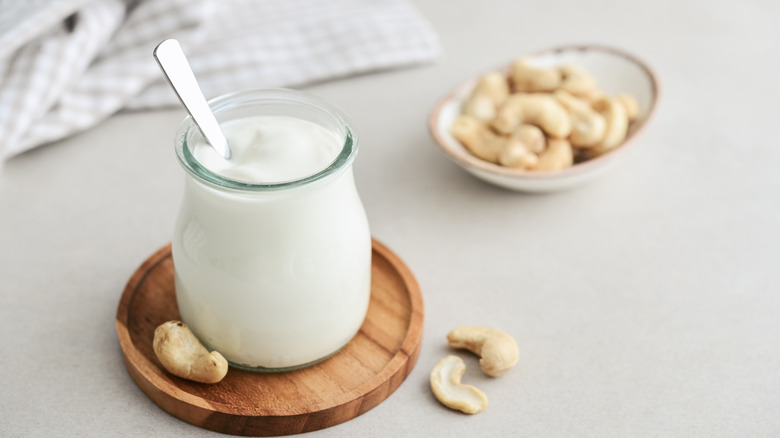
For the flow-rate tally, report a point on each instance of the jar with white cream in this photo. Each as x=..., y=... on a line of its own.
x=271, y=249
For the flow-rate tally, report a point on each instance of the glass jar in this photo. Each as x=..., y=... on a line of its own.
x=274, y=276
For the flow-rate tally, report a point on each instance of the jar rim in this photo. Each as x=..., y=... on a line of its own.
x=224, y=102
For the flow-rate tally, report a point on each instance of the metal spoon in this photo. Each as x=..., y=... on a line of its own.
x=174, y=65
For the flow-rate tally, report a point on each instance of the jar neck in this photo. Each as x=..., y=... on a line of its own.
x=266, y=102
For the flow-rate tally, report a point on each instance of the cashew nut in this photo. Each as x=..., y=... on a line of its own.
x=446, y=386
x=478, y=138
x=576, y=80
x=588, y=126
x=516, y=155
x=527, y=78
x=558, y=155
x=542, y=110
x=180, y=352
x=521, y=148
x=497, y=350
x=531, y=136
x=617, y=124
x=630, y=104
x=490, y=92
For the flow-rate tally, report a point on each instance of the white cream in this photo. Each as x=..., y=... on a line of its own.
x=269, y=149
x=275, y=279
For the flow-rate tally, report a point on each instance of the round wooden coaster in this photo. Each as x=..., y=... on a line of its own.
x=353, y=381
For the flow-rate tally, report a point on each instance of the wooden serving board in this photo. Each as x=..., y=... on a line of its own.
x=353, y=381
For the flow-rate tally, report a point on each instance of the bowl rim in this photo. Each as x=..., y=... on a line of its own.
x=464, y=158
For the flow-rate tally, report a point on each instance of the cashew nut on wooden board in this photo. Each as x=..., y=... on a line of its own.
x=498, y=353
x=182, y=354
x=576, y=120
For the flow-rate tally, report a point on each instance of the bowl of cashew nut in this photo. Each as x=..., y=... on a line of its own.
x=547, y=121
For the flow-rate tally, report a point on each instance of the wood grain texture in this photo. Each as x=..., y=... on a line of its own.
x=353, y=381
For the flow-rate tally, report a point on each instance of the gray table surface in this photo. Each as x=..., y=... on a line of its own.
x=646, y=303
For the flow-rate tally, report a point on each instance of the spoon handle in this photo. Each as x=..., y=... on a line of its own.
x=177, y=70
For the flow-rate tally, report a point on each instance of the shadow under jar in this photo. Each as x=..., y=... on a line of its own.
x=274, y=275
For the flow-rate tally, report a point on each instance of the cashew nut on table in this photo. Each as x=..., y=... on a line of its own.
x=577, y=120
x=182, y=354
x=497, y=349
x=446, y=386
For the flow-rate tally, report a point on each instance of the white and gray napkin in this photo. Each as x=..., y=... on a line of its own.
x=65, y=65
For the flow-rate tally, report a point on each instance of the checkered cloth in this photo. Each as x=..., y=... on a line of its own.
x=65, y=65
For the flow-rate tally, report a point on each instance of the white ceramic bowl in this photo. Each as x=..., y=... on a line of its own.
x=615, y=71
